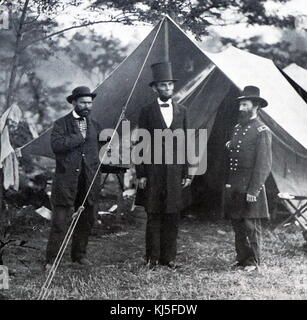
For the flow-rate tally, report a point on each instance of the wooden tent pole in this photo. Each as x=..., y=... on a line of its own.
x=166, y=40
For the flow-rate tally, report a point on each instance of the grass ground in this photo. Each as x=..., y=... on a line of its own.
x=206, y=250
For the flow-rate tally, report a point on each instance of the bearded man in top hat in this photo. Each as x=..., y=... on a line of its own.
x=250, y=161
x=161, y=184
x=74, y=141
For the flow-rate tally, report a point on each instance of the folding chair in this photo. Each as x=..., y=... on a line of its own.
x=299, y=205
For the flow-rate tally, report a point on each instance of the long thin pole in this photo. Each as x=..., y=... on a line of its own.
x=44, y=292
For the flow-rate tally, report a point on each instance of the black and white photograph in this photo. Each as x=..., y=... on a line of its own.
x=153, y=153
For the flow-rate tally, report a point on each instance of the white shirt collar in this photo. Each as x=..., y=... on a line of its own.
x=75, y=114
x=169, y=101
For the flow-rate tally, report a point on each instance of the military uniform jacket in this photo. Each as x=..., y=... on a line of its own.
x=250, y=161
x=163, y=189
x=72, y=151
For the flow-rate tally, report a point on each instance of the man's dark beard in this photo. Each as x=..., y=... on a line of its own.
x=164, y=97
x=83, y=113
x=244, y=116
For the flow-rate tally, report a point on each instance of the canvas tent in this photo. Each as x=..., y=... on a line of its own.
x=286, y=114
x=208, y=84
x=297, y=76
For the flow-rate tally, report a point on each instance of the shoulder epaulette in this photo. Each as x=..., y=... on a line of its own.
x=262, y=128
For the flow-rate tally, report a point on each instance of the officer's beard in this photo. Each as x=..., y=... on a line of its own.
x=244, y=116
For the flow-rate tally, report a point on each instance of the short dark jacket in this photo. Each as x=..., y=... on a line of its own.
x=71, y=151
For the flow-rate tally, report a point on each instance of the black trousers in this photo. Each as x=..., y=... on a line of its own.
x=60, y=223
x=161, y=236
x=247, y=240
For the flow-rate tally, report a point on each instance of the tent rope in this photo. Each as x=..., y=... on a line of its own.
x=45, y=292
x=29, y=142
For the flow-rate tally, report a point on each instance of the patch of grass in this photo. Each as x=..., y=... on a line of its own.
x=205, y=249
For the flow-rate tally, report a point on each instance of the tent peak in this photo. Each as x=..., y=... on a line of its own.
x=166, y=17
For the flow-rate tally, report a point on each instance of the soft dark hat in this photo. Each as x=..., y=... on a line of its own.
x=162, y=71
x=80, y=92
x=253, y=93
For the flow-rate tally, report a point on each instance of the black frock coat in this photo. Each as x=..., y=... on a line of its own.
x=163, y=192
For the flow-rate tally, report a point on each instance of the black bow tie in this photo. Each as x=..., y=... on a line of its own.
x=164, y=105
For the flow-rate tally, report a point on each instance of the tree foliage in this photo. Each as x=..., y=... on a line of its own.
x=95, y=54
x=291, y=48
x=197, y=15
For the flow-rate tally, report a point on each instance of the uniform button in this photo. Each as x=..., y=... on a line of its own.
x=249, y=126
x=235, y=169
x=240, y=141
x=237, y=150
x=230, y=159
x=238, y=146
x=244, y=133
x=83, y=154
x=236, y=164
x=77, y=170
x=235, y=133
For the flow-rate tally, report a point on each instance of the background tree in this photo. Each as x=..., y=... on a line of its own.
x=95, y=54
x=18, y=61
x=291, y=48
x=34, y=31
x=197, y=15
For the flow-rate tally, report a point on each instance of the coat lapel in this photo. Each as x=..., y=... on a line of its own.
x=158, y=117
x=175, y=115
x=71, y=123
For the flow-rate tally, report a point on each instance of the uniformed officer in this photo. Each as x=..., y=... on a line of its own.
x=250, y=160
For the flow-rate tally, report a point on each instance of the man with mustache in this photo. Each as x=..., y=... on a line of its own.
x=250, y=161
x=74, y=141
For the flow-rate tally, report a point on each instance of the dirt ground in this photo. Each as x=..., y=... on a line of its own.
x=205, y=250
